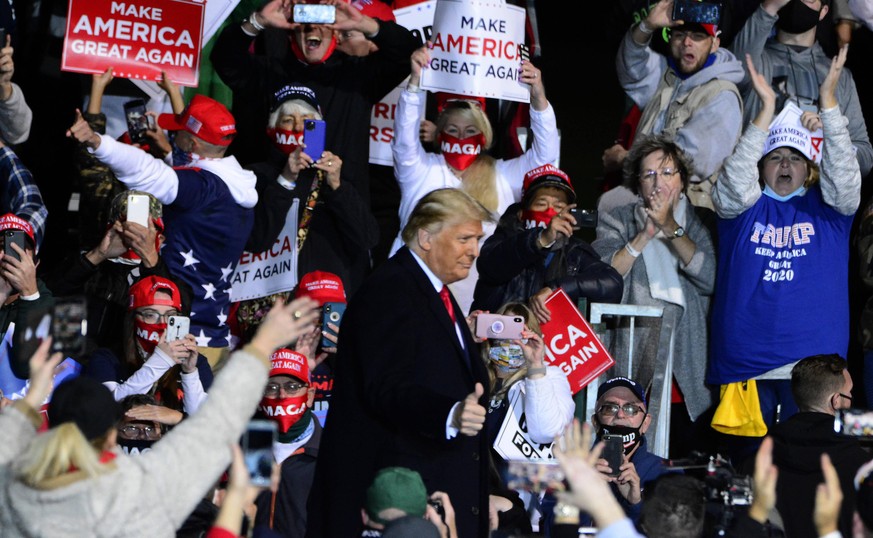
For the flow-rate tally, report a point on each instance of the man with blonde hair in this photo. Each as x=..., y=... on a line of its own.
x=409, y=384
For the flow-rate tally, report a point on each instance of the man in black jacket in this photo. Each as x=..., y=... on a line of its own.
x=821, y=385
x=533, y=251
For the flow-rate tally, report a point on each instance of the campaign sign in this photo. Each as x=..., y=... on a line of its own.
x=418, y=19
x=476, y=50
x=571, y=343
x=512, y=441
x=272, y=271
x=138, y=39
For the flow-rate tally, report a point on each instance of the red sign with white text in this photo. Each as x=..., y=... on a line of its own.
x=138, y=39
x=571, y=344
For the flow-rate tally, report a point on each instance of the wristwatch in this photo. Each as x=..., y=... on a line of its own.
x=679, y=232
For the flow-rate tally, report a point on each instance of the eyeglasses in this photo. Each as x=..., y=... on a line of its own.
x=777, y=158
x=611, y=409
x=291, y=387
x=153, y=316
x=680, y=35
x=845, y=396
x=136, y=431
x=649, y=175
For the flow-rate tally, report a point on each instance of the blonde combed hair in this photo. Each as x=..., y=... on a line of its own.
x=442, y=207
x=58, y=450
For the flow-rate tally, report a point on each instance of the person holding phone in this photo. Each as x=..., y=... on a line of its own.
x=534, y=251
x=464, y=134
x=335, y=227
x=75, y=463
x=621, y=410
x=22, y=293
x=517, y=368
x=148, y=362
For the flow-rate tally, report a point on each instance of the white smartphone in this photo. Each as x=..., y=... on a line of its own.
x=178, y=327
x=257, y=446
x=138, y=209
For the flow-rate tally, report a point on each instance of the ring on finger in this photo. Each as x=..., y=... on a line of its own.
x=297, y=314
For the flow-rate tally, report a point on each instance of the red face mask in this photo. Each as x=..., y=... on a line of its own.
x=538, y=219
x=461, y=152
x=287, y=141
x=285, y=411
x=148, y=334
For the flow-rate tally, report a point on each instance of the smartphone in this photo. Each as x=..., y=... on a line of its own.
x=257, y=447
x=314, y=132
x=2, y=37
x=534, y=475
x=178, y=327
x=499, y=326
x=137, y=121
x=523, y=52
x=854, y=422
x=331, y=313
x=13, y=237
x=613, y=452
x=585, y=218
x=692, y=11
x=138, y=209
x=314, y=13
x=69, y=326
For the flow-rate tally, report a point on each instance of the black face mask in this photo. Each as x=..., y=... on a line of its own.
x=630, y=437
x=135, y=447
x=796, y=17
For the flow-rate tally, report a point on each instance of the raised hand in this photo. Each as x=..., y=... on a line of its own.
x=827, y=91
x=82, y=132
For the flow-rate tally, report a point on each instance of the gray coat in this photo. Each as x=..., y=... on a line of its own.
x=689, y=325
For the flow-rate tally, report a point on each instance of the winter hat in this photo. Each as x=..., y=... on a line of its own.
x=85, y=402
x=294, y=91
x=204, y=118
x=616, y=382
x=322, y=286
x=396, y=487
x=143, y=292
x=787, y=131
x=546, y=176
x=287, y=362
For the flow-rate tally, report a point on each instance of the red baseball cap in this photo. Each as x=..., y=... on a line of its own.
x=11, y=221
x=546, y=176
x=143, y=293
x=322, y=286
x=204, y=118
x=288, y=362
x=375, y=9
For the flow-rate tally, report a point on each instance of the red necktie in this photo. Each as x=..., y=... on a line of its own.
x=447, y=300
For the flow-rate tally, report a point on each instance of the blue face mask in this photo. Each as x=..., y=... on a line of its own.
x=772, y=194
x=506, y=357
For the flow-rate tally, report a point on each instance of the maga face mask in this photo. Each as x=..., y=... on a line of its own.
x=133, y=447
x=796, y=17
x=461, y=152
x=287, y=141
x=148, y=334
x=538, y=219
x=285, y=411
x=507, y=357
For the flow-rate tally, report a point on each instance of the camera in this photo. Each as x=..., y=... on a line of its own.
x=499, y=327
x=585, y=218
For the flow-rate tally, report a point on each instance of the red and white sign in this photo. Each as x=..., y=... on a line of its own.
x=475, y=50
x=138, y=39
x=571, y=343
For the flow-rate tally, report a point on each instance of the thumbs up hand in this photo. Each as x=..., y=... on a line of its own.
x=83, y=133
x=470, y=415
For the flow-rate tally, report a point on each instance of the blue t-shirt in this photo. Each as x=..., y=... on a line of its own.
x=782, y=289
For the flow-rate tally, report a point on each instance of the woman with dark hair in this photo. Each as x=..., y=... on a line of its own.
x=665, y=253
x=173, y=371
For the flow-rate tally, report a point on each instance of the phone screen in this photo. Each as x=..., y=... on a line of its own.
x=69, y=327
x=137, y=121
x=257, y=446
x=696, y=12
